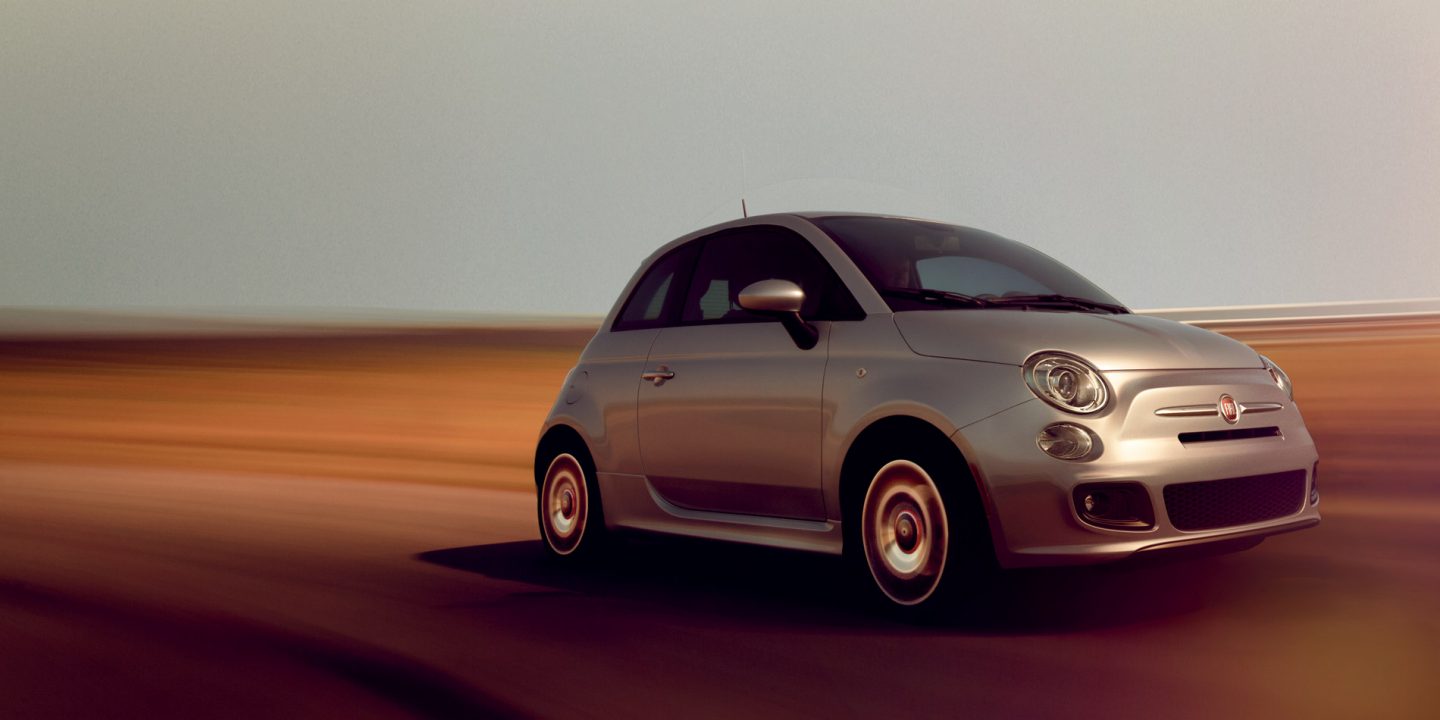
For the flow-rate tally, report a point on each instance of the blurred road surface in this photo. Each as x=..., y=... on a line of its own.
x=183, y=594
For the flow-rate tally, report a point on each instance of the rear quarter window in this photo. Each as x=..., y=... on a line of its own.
x=652, y=302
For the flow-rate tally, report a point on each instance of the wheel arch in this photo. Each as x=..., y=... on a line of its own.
x=881, y=439
x=557, y=437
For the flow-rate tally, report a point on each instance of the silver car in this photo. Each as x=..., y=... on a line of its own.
x=930, y=400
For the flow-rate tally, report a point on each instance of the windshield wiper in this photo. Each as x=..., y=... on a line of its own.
x=938, y=296
x=1059, y=300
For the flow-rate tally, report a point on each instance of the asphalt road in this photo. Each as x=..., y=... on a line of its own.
x=129, y=592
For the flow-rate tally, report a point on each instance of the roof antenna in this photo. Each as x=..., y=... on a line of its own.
x=744, y=211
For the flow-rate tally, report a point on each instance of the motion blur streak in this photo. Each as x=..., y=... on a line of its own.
x=329, y=525
x=448, y=407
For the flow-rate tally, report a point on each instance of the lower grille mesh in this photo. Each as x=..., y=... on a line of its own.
x=1234, y=501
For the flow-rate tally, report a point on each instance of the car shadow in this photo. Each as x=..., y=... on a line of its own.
x=723, y=582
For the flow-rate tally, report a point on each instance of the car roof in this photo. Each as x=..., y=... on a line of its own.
x=816, y=214
x=800, y=214
x=787, y=219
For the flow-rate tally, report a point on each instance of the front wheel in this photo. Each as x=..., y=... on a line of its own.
x=905, y=532
x=920, y=544
x=571, y=520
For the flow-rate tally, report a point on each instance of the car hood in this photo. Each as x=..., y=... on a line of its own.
x=1109, y=342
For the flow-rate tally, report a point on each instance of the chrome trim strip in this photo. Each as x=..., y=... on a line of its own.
x=1260, y=407
x=1212, y=410
x=1188, y=411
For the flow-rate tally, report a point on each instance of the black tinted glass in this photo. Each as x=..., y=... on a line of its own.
x=731, y=261
x=914, y=255
x=655, y=295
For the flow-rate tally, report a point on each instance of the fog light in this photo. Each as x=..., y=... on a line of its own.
x=1315, y=484
x=1066, y=441
x=1119, y=506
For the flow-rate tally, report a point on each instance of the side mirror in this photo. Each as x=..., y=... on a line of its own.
x=772, y=296
x=784, y=299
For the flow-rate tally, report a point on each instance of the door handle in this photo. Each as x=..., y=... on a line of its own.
x=658, y=376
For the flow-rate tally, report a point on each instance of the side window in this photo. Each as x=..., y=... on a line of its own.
x=731, y=261
x=652, y=302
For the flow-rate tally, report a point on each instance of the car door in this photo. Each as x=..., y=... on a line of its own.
x=731, y=419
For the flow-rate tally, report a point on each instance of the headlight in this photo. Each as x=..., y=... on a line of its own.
x=1281, y=379
x=1067, y=382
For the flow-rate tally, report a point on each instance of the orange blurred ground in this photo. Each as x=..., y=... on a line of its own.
x=464, y=406
x=440, y=407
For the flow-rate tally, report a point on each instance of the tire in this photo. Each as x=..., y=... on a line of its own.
x=572, y=520
x=923, y=538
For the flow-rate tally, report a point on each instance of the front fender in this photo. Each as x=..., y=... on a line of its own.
x=872, y=374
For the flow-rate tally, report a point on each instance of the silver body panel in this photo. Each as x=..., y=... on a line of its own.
x=738, y=429
x=746, y=442
x=1109, y=342
x=632, y=503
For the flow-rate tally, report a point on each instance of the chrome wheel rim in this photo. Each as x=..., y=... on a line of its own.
x=905, y=532
x=563, y=504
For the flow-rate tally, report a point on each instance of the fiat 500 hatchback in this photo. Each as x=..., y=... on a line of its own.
x=929, y=399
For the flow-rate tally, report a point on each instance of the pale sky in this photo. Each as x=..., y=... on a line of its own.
x=526, y=156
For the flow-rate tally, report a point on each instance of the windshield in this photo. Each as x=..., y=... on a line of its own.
x=918, y=265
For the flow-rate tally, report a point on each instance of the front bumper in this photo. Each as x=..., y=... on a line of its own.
x=1028, y=494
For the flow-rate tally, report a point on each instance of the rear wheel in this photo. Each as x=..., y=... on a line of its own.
x=571, y=520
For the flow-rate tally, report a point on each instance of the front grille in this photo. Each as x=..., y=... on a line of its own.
x=1234, y=501
x=1238, y=434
